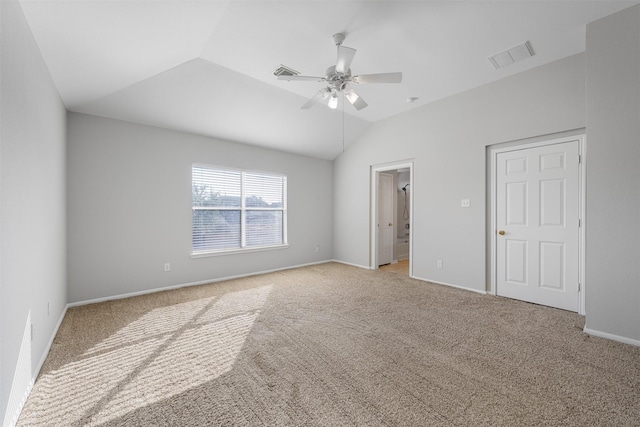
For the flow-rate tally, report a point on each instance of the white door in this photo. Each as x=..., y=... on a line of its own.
x=385, y=218
x=537, y=198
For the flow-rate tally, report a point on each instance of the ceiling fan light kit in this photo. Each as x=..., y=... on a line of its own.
x=333, y=101
x=338, y=79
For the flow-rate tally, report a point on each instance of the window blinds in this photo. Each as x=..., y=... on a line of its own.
x=234, y=210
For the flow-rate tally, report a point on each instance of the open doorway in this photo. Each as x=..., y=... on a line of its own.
x=391, y=217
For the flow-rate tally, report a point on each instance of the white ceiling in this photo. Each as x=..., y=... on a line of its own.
x=206, y=66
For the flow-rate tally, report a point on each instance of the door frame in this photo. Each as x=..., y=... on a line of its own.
x=373, y=210
x=493, y=152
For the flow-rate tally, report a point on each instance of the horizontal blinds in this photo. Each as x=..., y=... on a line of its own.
x=228, y=203
x=264, y=228
x=216, y=188
x=263, y=191
x=216, y=230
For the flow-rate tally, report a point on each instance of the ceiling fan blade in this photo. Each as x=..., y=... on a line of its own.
x=377, y=78
x=321, y=95
x=355, y=99
x=301, y=78
x=345, y=56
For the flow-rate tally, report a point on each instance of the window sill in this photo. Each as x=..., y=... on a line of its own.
x=205, y=254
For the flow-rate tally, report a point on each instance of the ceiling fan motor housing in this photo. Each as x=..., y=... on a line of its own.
x=335, y=80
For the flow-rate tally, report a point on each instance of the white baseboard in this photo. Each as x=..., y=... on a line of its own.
x=366, y=267
x=22, y=379
x=418, y=278
x=184, y=285
x=11, y=422
x=464, y=288
x=50, y=343
x=611, y=336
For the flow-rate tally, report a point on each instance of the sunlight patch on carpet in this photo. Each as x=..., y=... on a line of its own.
x=166, y=352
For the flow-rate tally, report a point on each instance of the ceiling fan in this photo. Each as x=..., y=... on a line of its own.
x=339, y=79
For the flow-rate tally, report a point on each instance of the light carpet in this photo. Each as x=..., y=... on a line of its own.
x=331, y=345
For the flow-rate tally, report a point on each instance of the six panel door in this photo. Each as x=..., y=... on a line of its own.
x=537, y=220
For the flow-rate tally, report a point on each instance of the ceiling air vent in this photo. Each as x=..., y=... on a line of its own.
x=509, y=56
x=283, y=70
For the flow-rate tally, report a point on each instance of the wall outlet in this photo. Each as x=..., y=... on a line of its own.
x=465, y=203
x=317, y=248
x=439, y=263
x=167, y=266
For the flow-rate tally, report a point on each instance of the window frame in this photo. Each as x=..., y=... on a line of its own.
x=243, y=209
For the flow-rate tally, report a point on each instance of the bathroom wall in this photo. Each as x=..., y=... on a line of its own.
x=401, y=234
x=401, y=222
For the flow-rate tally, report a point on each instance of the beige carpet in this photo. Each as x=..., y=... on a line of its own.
x=331, y=345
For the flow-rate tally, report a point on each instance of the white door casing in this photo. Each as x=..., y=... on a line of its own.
x=373, y=209
x=537, y=221
x=385, y=218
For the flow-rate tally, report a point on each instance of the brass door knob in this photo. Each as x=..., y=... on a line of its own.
x=501, y=232
x=390, y=224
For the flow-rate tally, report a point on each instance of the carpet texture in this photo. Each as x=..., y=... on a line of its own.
x=331, y=345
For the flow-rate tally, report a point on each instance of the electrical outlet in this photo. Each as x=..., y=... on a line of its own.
x=439, y=263
x=465, y=203
x=317, y=248
x=167, y=266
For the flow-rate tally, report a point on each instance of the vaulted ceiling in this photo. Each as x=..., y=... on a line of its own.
x=206, y=67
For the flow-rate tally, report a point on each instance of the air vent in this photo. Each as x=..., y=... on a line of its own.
x=509, y=56
x=283, y=70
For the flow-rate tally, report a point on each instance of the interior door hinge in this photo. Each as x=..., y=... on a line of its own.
x=579, y=158
x=579, y=223
x=578, y=286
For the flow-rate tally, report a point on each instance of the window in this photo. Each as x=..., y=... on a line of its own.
x=236, y=210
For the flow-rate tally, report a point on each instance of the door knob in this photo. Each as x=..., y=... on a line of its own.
x=390, y=224
x=501, y=232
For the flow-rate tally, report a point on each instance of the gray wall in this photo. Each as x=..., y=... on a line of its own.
x=32, y=207
x=129, y=204
x=129, y=185
x=613, y=175
x=447, y=140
